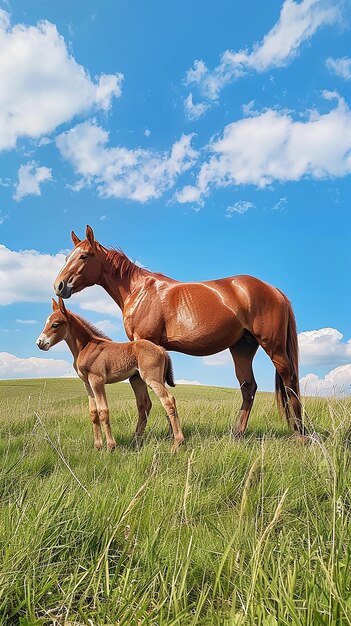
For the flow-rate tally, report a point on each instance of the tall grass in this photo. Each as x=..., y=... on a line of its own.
x=255, y=532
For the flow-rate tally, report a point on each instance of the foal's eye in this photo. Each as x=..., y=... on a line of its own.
x=83, y=257
x=55, y=325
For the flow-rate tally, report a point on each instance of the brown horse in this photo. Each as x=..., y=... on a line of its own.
x=239, y=313
x=99, y=361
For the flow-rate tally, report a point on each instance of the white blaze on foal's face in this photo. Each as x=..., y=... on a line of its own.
x=53, y=332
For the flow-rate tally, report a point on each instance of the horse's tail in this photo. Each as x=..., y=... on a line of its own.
x=292, y=351
x=169, y=376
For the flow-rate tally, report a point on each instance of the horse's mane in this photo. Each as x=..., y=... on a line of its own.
x=119, y=264
x=93, y=330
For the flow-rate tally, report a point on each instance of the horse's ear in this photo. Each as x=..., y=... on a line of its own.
x=61, y=306
x=55, y=306
x=75, y=239
x=90, y=235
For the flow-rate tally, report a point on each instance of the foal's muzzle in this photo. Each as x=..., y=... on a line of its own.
x=63, y=289
x=43, y=343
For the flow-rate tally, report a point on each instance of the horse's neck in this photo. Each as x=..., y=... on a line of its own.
x=77, y=338
x=119, y=288
x=116, y=290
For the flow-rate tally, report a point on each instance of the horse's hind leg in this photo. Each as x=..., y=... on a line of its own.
x=143, y=403
x=289, y=391
x=98, y=388
x=243, y=353
x=168, y=403
x=94, y=416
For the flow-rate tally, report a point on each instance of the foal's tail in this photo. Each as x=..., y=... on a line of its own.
x=169, y=376
x=292, y=351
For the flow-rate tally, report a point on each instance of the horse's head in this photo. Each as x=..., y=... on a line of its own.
x=56, y=326
x=82, y=268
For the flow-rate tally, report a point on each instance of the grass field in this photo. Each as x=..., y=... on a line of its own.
x=223, y=533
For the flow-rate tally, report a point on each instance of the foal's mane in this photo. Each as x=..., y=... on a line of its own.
x=93, y=330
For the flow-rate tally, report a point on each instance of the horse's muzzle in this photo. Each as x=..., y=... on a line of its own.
x=63, y=289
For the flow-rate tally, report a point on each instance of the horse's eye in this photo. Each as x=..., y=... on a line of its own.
x=55, y=325
x=83, y=256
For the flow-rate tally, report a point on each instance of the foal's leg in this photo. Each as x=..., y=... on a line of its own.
x=243, y=353
x=169, y=404
x=143, y=403
x=98, y=388
x=94, y=418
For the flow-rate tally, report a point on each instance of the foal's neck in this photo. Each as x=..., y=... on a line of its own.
x=77, y=337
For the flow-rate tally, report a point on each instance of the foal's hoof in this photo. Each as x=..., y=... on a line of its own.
x=176, y=445
x=111, y=447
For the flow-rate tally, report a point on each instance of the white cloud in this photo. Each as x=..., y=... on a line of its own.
x=33, y=367
x=280, y=205
x=335, y=383
x=323, y=346
x=273, y=146
x=107, y=327
x=194, y=111
x=239, y=207
x=30, y=177
x=119, y=172
x=45, y=86
x=341, y=67
x=181, y=381
x=316, y=347
x=189, y=193
x=19, y=321
x=93, y=299
x=298, y=22
x=3, y=217
x=28, y=276
x=221, y=359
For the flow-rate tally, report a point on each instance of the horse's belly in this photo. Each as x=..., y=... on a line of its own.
x=203, y=335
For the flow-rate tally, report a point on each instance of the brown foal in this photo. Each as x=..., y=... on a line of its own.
x=239, y=312
x=99, y=361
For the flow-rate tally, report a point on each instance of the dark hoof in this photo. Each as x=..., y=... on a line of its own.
x=136, y=443
x=236, y=435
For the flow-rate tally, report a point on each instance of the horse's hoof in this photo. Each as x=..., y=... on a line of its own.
x=136, y=443
x=304, y=439
x=236, y=435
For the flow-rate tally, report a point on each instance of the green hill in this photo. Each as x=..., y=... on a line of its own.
x=223, y=533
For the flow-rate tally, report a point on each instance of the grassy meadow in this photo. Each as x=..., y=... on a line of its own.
x=224, y=533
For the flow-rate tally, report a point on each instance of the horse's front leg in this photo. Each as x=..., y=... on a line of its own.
x=98, y=388
x=94, y=416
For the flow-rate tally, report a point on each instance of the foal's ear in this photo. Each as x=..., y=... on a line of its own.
x=75, y=239
x=90, y=235
x=61, y=306
x=55, y=306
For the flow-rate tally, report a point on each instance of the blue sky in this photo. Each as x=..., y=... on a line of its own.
x=206, y=139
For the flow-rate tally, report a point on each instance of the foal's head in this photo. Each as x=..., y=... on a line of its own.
x=56, y=326
x=83, y=266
